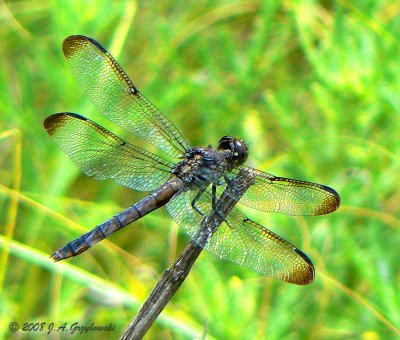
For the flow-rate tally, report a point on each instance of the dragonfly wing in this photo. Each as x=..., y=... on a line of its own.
x=101, y=154
x=241, y=240
x=113, y=93
x=287, y=196
x=247, y=243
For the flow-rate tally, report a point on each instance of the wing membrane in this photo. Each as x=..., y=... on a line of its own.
x=287, y=196
x=242, y=241
x=113, y=93
x=101, y=154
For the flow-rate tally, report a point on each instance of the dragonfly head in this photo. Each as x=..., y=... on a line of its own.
x=237, y=147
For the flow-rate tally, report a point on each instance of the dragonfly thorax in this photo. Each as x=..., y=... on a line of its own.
x=237, y=147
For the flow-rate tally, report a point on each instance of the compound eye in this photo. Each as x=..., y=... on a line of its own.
x=226, y=143
x=241, y=151
x=237, y=147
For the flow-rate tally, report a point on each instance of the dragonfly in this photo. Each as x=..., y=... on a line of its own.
x=201, y=187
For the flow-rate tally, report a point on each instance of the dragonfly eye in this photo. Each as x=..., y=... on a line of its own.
x=237, y=147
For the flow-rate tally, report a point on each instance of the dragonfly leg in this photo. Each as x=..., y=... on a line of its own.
x=195, y=199
x=214, y=197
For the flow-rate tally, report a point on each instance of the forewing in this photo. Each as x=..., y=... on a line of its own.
x=101, y=154
x=243, y=241
x=287, y=196
x=113, y=93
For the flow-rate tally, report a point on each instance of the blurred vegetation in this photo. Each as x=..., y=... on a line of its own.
x=313, y=87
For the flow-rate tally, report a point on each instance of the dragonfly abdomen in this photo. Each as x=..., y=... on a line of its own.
x=155, y=200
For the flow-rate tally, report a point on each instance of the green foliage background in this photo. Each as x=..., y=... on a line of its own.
x=314, y=89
